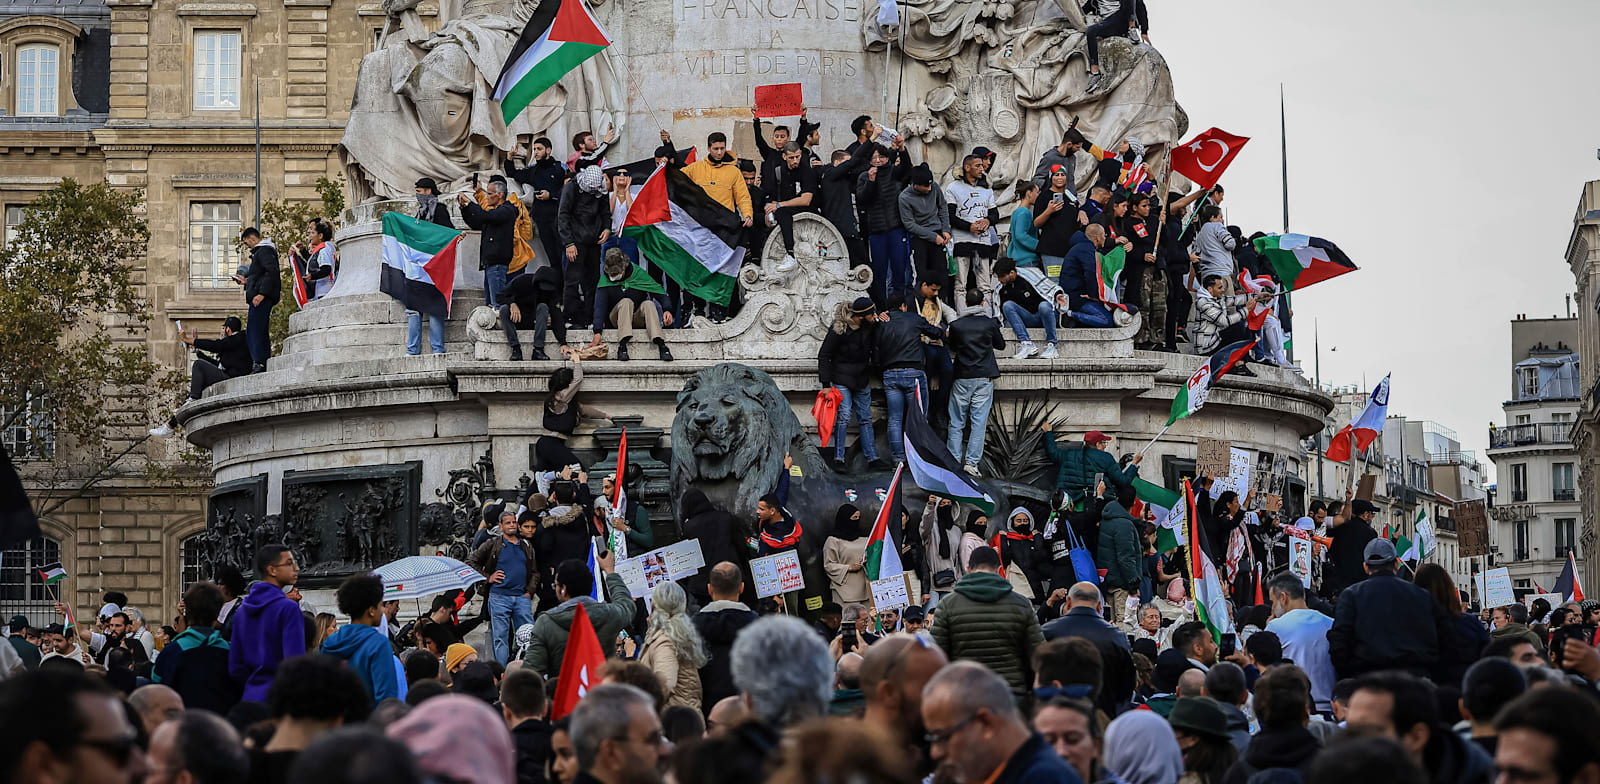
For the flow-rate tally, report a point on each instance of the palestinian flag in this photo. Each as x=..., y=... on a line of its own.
x=52, y=574
x=419, y=263
x=1299, y=261
x=1167, y=507
x=618, y=540
x=1108, y=273
x=559, y=37
x=1210, y=603
x=1569, y=584
x=932, y=466
x=1198, y=387
x=883, y=557
x=1402, y=546
x=681, y=229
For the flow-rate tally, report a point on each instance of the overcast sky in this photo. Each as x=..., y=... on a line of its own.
x=1443, y=153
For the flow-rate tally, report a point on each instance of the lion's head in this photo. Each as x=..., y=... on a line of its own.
x=732, y=421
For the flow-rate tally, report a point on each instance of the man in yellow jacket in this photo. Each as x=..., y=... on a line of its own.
x=718, y=173
x=522, y=249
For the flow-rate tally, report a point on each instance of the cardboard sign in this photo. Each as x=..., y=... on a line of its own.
x=645, y=572
x=1555, y=599
x=777, y=574
x=1274, y=503
x=890, y=592
x=1497, y=588
x=1472, y=528
x=1367, y=488
x=1236, y=477
x=779, y=100
x=1300, y=559
x=1212, y=457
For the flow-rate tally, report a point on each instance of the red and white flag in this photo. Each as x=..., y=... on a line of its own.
x=580, y=665
x=1204, y=158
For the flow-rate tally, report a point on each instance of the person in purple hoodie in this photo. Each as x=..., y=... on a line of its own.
x=268, y=627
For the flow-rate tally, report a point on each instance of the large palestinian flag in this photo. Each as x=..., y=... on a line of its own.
x=681, y=229
x=419, y=263
x=1300, y=261
x=559, y=37
x=883, y=557
x=1210, y=603
x=933, y=467
x=1198, y=387
x=1108, y=272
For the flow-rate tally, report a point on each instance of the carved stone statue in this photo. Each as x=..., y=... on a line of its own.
x=1011, y=75
x=423, y=105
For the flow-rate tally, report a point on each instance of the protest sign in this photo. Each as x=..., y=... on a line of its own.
x=1472, y=526
x=644, y=572
x=1300, y=559
x=1274, y=504
x=684, y=558
x=777, y=574
x=1367, y=488
x=890, y=591
x=778, y=100
x=1555, y=599
x=1497, y=588
x=1236, y=477
x=1213, y=457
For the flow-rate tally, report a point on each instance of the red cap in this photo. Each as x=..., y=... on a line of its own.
x=1095, y=437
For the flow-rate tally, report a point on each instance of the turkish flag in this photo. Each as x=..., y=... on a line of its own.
x=1204, y=158
x=580, y=665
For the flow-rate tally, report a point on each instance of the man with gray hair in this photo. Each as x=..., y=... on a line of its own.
x=783, y=670
x=140, y=632
x=1083, y=619
x=200, y=744
x=497, y=220
x=616, y=735
x=155, y=704
x=976, y=733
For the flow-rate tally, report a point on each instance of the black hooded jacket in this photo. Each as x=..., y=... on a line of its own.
x=839, y=191
x=720, y=535
x=719, y=623
x=1293, y=749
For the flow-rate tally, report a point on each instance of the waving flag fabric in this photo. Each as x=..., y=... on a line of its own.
x=580, y=665
x=1210, y=603
x=1360, y=433
x=419, y=263
x=883, y=557
x=1300, y=261
x=560, y=35
x=687, y=233
x=1198, y=387
x=1204, y=158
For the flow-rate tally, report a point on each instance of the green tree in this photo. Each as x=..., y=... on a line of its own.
x=77, y=379
x=285, y=222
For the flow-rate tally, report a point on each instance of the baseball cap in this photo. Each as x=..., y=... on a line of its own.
x=18, y=623
x=1095, y=437
x=914, y=613
x=1363, y=506
x=1379, y=552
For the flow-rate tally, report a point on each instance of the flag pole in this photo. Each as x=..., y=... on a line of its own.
x=1154, y=440
x=645, y=98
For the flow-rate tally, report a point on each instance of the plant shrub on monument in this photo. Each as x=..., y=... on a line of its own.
x=77, y=382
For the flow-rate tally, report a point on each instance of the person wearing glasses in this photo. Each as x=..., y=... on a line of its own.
x=268, y=627
x=976, y=732
x=85, y=736
x=616, y=734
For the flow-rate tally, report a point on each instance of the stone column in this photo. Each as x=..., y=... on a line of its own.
x=130, y=59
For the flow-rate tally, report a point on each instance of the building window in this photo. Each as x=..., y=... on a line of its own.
x=1524, y=419
x=1566, y=537
x=1561, y=487
x=1519, y=482
x=38, y=79
x=29, y=434
x=22, y=590
x=1520, y=552
x=216, y=70
x=213, y=254
x=189, y=550
x=14, y=216
x=1527, y=382
x=1560, y=417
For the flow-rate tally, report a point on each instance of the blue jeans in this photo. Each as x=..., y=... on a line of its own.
x=256, y=334
x=970, y=398
x=1093, y=314
x=891, y=264
x=1020, y=319
x=494, y=279
x=435, y=332
x=856, y=404
x=1054, y=262
x=507, y=614
x=902, y=385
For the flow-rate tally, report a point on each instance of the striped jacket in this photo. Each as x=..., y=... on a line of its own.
x=1212, y=315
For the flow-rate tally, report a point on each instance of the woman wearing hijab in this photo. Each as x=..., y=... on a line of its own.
x=975, y=536
x=1225, y=516
x=844, y=558
x=1018, y=546
x=673, y=650
x=941, y=538
x=459, y=739
x=1140, y=749
x=718, y=534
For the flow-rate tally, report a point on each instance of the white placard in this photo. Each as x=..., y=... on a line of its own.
x=1555, y=599
x=777, y=574
x=889, y=592
x=673, y=562
x=685, y=558
x=1238, y=478
x=1497, y=588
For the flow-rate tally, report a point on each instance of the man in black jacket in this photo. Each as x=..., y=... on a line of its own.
x=1384, y=622
x=1350, y=535
x=261, y=291
x=718, y=623
x=878, y=197
x=792, y=189
x=584, y=221
x=900, y=354
x=233, y=360
x=1084, y=619
x=545, y=176
x=428, y=206
x=533, y=301
x=974, y=339
x=845, y=363
x=838, y=193
x=523, y=704
x=498, y=225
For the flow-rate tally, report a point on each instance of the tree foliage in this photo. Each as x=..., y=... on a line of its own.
x=72, y=324
x=285, y=222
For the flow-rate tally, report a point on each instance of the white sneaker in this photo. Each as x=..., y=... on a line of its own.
x=787, y=265
x=1049, y=352
x=164, y=431
x=1027, y=349
x=972, y=470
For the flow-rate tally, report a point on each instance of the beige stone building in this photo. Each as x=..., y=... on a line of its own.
x=1583, y=257
x=163, y=96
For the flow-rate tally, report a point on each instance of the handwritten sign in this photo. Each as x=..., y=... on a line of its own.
x=1212, y=456
x=1554, y=599
x=1497, y=588
x=778, y=100
x=684, y=558
x=890, y=592
x=777, y=574
x=1236, y=477
x=674, y=562
x=1367, y=488
x=1274, y=503
x=1472, y=526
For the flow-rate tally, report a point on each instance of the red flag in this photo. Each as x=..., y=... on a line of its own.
x=1204, y=158
x=580, y=665
x=1260, y=600
x=622, y=469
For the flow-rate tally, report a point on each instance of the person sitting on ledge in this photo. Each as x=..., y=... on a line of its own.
x=623, y=298
x=533, y=301
x=232, y=360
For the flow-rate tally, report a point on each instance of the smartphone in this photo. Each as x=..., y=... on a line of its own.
x=1098, y=480
x=1227, y=647
x=847, y=635
x=1058, y=198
